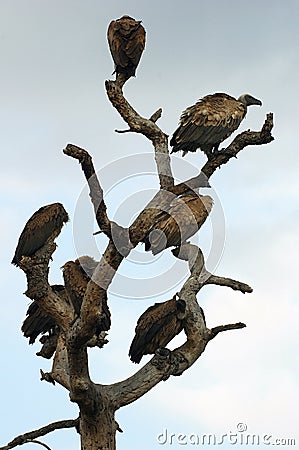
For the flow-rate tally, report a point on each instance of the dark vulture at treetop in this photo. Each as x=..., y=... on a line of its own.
x=209, y=122
x=37, y=321
x=156, y=327
x=181, y=220
x=76, y=275
x=43, y=224
x=126, y=38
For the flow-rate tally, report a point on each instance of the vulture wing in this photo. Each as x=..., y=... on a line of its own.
x=43, y=224
x=126, y=38
x=182, y=220
x=207, y=123
x=156, y=327
x=38, y=321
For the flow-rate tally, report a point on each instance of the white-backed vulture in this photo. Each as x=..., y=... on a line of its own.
x=156, y=327
x=181, y=220
x=76, y=275
x=126, y=38
x=43, y=224
x=209, y=122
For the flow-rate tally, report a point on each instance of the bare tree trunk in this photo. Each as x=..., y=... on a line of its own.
x=98, y=432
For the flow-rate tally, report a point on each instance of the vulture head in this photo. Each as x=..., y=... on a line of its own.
x=249, y=100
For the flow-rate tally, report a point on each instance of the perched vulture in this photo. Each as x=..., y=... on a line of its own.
x=76, y=275
x=43, y=224
x=181, y=220
x=209, y=122
x=126, y=38
x=156, y=327
x=37, y=321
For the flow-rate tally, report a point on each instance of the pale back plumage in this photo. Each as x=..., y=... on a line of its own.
x=209, y=122
x=181, y=220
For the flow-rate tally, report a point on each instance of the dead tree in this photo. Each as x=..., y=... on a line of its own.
x=98, y=403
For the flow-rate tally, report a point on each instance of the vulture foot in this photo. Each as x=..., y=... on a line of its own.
x=162, y=358
x=165, y=357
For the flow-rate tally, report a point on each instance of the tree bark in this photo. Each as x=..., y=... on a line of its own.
x=98, y=432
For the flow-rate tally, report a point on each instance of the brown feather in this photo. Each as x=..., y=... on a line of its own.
x=209, y=122
x=156, y=327
x=43, y=224
x=180, y=221
x=76, y=275
x=126, y=38
x=38, y=321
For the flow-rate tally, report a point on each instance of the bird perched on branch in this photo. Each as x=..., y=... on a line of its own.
x=76, y=275
x=126, y=38
x=209, y=122
x=38, y=321
x=181, y=220
x=156, y=327
x=44, y=224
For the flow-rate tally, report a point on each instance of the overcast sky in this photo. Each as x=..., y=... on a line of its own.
x=54, y=61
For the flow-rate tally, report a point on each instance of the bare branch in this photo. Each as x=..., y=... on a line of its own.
x=241, y=141
x=124, y=131
x=193, y=254
x=40, y=443
x=45, y=376
x=156, y=116
x=147, y=127
x=31, y=435
x=60, y=367
x=95, y=189
x=232, y=326
x=233, y=284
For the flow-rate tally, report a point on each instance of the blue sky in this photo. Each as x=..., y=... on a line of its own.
x=55, y=60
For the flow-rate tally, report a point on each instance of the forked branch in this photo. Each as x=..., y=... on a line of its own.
x=147, y=127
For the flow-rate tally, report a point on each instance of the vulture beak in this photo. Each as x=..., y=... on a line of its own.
x=253, y=101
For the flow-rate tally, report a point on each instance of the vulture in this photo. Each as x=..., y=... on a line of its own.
x=126, y=38
x=76, y=275
x=43, y=224
x=209, y=122
x=37, y=321
x=156, y=327
x=181, y=220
